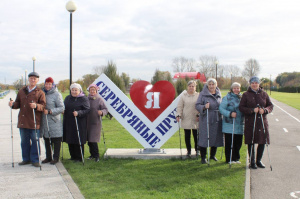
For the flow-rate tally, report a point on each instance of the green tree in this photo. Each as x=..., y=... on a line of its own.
x=63, y=85
x=199, y=86
x=111, y=72
x=161, y=75
x=288, y=79
x=126, y=80
x=180, y=86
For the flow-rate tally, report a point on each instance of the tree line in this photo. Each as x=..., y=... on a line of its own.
x=288, y=82
x=206, y=64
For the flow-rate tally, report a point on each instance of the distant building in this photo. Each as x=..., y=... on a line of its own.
x=192, y=75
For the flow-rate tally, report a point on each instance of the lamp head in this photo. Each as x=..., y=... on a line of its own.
x=71, y=6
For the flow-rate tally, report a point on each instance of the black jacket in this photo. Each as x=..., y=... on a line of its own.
x=82, y=106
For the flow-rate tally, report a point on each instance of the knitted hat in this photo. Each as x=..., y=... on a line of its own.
x=93, y=85
x=254, y=79
x=234, y=84
x=49, y=79
x=75, y=85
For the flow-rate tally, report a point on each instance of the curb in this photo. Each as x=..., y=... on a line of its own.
x=247, y=181
x=73, y=188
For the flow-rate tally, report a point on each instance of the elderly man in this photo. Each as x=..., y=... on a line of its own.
x=29, y=98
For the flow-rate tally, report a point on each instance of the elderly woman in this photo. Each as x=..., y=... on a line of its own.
x=94, y=125
x=76, y=105
x=233, y=123
x=208, y=104
x=51, y=127
x=189, y=115
x=256, y=104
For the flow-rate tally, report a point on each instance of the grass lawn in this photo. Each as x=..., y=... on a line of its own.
x=170, y=178
x=292, y=99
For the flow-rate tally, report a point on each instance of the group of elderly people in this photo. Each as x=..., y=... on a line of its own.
x=226, y=119
x=216, y=119
x=40, y=116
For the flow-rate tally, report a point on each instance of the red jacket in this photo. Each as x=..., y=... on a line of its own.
x=25, y=118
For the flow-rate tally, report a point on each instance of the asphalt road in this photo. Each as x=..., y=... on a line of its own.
x=284, y=150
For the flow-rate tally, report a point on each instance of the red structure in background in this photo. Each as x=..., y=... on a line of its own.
x=191, y=75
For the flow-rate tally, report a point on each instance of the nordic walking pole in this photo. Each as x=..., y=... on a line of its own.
x=252, y=144
x=262, y=121
x=197, y=155
x=49, y=137
x=12, y=137
x=232, y=143
x=62, y=148
x=180, y=140
x=222, y=153
x=105, y=152
x=207, y=120
x=37, y=138
x=79, y=140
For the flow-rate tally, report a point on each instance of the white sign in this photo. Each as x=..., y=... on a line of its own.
x=149, y=134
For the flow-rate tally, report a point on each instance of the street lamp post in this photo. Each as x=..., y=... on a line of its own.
x=33, y=59
x=71, y=7
x=270, y=84
x=25, y=77
x=216, y=70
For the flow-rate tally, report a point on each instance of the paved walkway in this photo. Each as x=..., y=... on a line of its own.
x=283, y=181
x=28, y=181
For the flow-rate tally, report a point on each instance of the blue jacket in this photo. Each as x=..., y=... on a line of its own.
x=230, y=103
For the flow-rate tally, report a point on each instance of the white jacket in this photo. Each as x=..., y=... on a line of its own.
x=186, y=109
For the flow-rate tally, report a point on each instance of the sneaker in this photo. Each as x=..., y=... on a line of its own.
x=90, y=158
x=46, y=161
x=197, y=153
x=24, y=163
x=214, y=158
x=97, y=159
x=253, y=166
x=54, y=161
x=36, y=164
x=188, y=155
x=260, y=165
x=238, y=162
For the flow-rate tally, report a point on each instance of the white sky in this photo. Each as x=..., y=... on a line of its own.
x=142, y=35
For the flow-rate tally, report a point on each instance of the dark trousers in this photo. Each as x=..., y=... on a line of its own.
x=203, y=150
x=237, y=144
x=75, y=152
x=94, y=151
x=260, y=152
x=56, y=143
x=187, y=136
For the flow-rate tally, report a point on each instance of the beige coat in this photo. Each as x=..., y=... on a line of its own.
x=187, y=111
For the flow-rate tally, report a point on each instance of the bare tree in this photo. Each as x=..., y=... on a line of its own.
x=190, y=65
x=251, y=68
x=231, y=70
x=207, y=65
x=182, y=64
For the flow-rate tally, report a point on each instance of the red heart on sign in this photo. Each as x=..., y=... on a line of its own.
x=152, y=100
